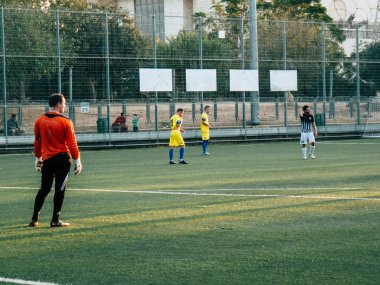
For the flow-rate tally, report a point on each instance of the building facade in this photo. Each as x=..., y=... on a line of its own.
x=171, y=16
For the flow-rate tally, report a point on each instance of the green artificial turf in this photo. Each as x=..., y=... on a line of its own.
x=246, y=214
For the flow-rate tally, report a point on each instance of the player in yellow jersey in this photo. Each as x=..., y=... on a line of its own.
x=176, y=137
x=205, y=129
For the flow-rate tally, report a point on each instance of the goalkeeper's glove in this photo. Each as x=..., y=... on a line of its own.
x=38, y=164
x=77, y=166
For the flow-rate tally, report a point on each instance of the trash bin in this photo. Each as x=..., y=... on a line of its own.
x=319, y=120
x=102, y=125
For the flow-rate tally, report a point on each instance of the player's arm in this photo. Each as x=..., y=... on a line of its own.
x=37, y=147
x=315, y=129
x=37, y=140
x=205, y=123
x=179, y=126
x=73, y=147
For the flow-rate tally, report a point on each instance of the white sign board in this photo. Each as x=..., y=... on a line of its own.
x=244, y=80
x=283, y=80
x=84, y=107
x=156, y=80
x=198, y=80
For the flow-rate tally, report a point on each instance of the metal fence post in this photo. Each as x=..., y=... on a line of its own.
x=254, y=61
x=277, y=108
x=19, y=113
x=4, y=87
x=193, y=109
x=124, y=106
x=237, y=109
x=147, y=108
x=215, y=109
x=200, y=47
x=296, y=108
x=357, y=77
x=71, y=103
x=107, y=57
x=331, y=99
x=285, y=67
x=100, y=107
x=58, y=43
x=171, y=107
x=154, y=33
x=242, y=52
x=351, y=107
x=332, y=108
x=323, y=72
x=285, y=110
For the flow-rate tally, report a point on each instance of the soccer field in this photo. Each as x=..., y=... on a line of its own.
x=246, y=214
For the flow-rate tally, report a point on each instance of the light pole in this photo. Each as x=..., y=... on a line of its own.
x=254, y=61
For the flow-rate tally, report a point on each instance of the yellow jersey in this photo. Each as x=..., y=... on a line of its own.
x=204, y=119
x=175, y=120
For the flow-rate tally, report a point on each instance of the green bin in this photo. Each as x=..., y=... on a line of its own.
x=102, y=125
x=319, y=120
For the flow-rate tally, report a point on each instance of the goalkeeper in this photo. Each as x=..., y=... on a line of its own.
x=54, y=146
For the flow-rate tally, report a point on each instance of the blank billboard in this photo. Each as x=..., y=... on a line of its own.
x=283, y=80
x=244, y=80
x=156, y=80
x=198, y=80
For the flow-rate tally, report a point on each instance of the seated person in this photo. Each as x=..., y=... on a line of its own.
x=120, y=124
x=13, y=126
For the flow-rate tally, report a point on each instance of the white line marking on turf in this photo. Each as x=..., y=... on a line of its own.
x=19, y=281
x=349, y=143
x=189, y=193
x=212, y=189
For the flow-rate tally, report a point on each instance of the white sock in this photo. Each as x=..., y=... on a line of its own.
x=303, y=151
x=311, y=151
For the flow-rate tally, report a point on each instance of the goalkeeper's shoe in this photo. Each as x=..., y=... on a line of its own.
x=33, y=223
x=59, y=224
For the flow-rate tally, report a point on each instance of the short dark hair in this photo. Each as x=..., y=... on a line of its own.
x=13, y=116
x=179, y=110
x=55, y=98
x=305, y=107
x=207, y=106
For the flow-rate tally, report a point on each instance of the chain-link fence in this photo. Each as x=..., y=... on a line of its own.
x=94, y=59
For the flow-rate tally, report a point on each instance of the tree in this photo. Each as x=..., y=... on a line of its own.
x=370, y=69
x=127, y=49
x=30, y=43
x=182, y=52
x=31, y=48
x=302, y=20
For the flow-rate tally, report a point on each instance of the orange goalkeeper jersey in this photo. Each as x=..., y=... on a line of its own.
x=54, y=134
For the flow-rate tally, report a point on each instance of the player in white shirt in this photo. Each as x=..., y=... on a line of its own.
x=308, y=132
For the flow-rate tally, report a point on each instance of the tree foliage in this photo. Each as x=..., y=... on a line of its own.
x=370, y=68
x=31, y=48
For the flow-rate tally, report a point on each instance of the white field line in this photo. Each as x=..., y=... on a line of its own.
x=190, y=193
x=349, y=143
x=19, y=281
